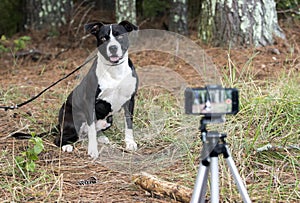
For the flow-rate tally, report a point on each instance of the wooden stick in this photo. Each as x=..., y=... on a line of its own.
x=163, y=188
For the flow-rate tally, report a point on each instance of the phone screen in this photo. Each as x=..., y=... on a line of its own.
x=211, y=101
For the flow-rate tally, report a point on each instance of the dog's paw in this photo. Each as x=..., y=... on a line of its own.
x=130, y=145
x=103, y=139
x=129, y=140
x=67, y=148
x=93, y=151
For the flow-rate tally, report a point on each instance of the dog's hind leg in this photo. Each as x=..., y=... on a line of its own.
x=129, y=139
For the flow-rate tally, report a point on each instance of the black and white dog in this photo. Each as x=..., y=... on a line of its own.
x=110, y=85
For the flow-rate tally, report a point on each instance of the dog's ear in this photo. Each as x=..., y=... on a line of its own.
x=128, y=26
x=93, y=28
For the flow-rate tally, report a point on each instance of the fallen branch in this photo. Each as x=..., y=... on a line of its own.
x=35, y=54
x=163, y=188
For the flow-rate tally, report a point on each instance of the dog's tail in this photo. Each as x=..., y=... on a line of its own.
x=22, y=136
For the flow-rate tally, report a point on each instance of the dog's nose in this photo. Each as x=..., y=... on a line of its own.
x=113, y=49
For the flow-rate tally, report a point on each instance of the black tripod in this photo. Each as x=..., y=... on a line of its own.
x=214, y=144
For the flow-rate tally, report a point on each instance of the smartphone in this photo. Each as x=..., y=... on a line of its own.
x=211, y=101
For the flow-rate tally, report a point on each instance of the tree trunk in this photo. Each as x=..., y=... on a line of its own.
x=126, y=10
x=234, y=22
x=47, y=13
x=178, y=17
x=105, y=5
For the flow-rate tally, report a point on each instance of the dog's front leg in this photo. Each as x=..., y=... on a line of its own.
x=129, y=139
x=92, y=145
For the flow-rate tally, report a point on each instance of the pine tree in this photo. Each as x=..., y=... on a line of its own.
x=46, y=13
x=178, y=17
x=126, y=10
x=239, y=23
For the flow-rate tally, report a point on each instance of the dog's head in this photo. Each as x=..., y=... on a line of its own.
x=112, y=40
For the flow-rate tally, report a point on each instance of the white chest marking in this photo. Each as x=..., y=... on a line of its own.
x=116, y=83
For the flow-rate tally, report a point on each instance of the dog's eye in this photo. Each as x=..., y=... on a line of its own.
x=103, y=39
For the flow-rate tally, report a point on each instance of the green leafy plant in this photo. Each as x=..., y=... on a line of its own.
x=3, y=48
x=26, y=161
x=21, y=42
x=18, y=44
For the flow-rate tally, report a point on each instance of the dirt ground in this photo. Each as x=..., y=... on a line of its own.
x=24, y=74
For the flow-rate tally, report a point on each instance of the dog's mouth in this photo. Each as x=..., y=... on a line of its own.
x=115, y=59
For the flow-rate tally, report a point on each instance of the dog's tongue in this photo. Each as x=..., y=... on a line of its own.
x=114, y=58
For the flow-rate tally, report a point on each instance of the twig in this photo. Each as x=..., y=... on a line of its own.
x=289, y=11
x=19, y=130
x=269, y=147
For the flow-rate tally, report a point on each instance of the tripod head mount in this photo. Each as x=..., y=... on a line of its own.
x=211, y=119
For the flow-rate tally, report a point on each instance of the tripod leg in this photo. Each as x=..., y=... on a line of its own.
x=200, y=185
x=238, y=180
x=214, y=196
x=204, y=187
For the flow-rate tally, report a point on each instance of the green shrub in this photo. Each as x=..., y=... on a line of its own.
x=21, y=42
x=18, y=44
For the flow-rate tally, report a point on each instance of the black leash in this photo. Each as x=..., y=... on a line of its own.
x=42, y=92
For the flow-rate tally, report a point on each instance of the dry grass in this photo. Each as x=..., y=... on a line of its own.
x=169, y=144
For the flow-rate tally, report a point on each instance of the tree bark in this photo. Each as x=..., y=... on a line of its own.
x=47, y=13
x=126, y=10
x=178, y=17
x=239, y=22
